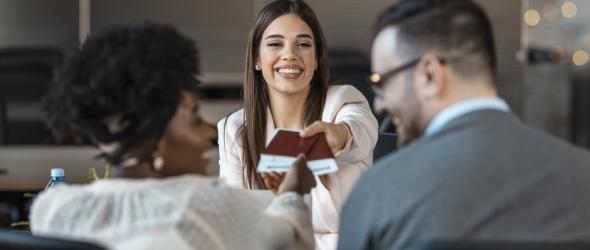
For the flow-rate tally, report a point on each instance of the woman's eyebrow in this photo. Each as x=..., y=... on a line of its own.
x=274, y=36
x=304, y=35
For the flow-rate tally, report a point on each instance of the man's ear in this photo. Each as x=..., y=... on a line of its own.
x=430, y=76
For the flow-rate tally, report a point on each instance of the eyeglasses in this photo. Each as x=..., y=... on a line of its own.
x=378, y=80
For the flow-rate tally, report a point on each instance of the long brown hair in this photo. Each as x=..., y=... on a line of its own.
x=256, y=96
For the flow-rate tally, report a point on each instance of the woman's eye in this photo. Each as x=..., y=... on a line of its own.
x=273, y=44
x=305, y=45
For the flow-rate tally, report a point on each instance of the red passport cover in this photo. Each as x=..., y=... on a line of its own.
x=289, y=143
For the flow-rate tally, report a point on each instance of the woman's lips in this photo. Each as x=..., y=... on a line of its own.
x=289, y=72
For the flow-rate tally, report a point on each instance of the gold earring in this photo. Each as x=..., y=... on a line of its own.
x=158, y=163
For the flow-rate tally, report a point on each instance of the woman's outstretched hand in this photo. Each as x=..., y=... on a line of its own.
x=336, y=134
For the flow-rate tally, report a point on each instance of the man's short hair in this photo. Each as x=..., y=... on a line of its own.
x=452, y=28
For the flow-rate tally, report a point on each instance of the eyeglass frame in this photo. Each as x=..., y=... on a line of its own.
x=377, y=80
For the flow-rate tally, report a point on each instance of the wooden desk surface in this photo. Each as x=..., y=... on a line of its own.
x=28, y=167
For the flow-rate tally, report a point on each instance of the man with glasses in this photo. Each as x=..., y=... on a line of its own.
x=467, y=169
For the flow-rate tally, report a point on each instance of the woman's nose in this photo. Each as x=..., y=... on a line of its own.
x=288, y=57
x=288, y=53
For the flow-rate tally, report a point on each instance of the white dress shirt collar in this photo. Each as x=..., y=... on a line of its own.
x=461, y=108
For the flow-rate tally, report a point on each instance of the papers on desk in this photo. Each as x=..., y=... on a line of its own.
x=286, y=145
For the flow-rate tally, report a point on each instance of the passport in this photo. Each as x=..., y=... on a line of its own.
x=286, y=145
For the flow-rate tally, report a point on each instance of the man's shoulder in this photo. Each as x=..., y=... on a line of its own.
x=505, y=131
x=418, y=159
x=395, y=165
x=551, y=146
x=463, y=145
x=407, y=154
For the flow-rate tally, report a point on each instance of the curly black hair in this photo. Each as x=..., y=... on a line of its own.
x=134, y=71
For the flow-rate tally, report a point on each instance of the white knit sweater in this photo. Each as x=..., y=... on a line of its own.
x=186, y=212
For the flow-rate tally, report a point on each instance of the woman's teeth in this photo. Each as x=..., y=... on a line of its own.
x=289, y=71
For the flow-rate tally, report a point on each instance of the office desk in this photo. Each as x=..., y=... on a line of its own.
x=28, y=167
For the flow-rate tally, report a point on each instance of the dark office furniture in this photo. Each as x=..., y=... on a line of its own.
x=502, y=245
x=24, y=241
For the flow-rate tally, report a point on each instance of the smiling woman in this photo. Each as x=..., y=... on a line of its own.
x=286, y=86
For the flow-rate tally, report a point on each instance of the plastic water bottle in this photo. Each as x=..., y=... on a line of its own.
x=57, y=176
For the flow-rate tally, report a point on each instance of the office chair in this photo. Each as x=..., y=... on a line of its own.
x=25, y=74
x=349, y=66
x=386, y=144
x=386, y=140
x=23, y=241
x=3, y=121
x=502, y=245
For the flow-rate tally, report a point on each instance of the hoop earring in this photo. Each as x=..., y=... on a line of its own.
x=257, y=67
x=158, y=163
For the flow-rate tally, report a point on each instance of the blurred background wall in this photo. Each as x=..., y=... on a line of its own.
x=540, y=92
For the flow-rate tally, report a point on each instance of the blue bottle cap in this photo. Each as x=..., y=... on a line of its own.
x=57, y=172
